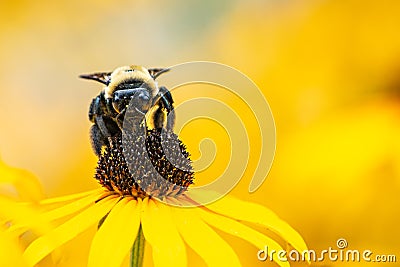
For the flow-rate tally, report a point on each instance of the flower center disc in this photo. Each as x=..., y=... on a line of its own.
x=143, y=167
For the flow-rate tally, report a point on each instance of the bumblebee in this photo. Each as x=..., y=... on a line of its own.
x=129, y=85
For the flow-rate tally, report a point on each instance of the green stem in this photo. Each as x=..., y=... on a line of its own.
x=137, y=252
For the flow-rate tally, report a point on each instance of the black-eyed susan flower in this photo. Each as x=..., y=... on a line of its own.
x=128, y=214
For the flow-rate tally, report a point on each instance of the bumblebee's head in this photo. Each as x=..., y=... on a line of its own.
x=127, y=77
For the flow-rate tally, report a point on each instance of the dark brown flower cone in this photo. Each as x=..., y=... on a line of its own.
x=155, y=163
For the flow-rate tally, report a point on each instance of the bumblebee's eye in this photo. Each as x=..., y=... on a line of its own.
x=120, y=100
x=118, y=103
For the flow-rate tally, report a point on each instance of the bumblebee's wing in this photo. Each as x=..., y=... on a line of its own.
x=102, y=77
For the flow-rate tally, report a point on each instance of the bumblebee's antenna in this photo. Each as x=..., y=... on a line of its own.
x=157, y=72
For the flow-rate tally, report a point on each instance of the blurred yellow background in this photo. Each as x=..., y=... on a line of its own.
x=329, y=70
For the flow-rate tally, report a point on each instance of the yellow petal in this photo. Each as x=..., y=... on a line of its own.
x=70, y=197
x=71, y=208
x=44, y=245
x=68, y=209
x=255, y=213
x=21, y=214
x=26, y=184
x=244, y=232
x=11, y=254
x=161, y=233
x=204, y=240
x=116, y=235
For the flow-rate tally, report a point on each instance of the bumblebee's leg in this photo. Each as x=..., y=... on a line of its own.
x=93, y=107
x=167, y=102
x=102, y=124
x=97, y=112
x=158, y=117
x=138, y=101
x=97, y=139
